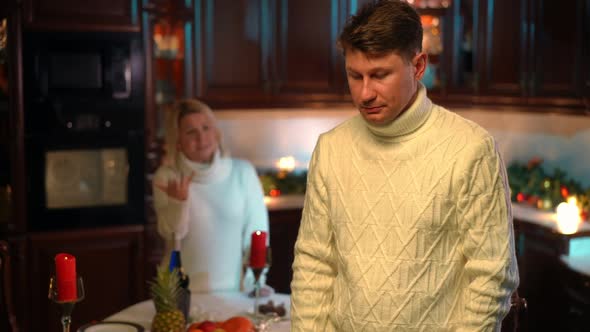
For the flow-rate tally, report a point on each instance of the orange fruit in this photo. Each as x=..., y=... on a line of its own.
x=194, y=327
x=237, y=324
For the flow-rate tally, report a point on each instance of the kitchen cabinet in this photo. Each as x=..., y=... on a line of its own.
x=284, y=227
x=111, y=258
x=268, y=53
x=525, y=53
x=72, y=15
x=12, y=188
x=559, y=45
x=110, y=261
x=167, y=27
x=544, y=281
x=12, y=197
x=576, y=285
x=283, y=53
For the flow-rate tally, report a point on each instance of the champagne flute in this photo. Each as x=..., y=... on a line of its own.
x=67, y=306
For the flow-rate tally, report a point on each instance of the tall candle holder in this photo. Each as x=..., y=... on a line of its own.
x=262, y=321
x=67, y=306
x=257, y=274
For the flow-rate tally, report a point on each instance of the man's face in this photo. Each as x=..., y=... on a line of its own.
x=382, y=87
x=197, y=137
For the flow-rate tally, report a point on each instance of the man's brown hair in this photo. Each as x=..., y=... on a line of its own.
x=381, y=27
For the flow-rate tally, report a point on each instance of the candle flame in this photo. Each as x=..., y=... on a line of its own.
x=568, y=216
x=572, y=200
x=286, y=163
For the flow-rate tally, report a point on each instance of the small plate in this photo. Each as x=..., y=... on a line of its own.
x=111, y=327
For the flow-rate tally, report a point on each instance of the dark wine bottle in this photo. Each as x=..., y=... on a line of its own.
x=184, y=299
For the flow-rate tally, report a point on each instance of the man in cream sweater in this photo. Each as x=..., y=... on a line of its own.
x=407, y=222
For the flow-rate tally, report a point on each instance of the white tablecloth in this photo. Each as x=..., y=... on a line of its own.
x=216, y=307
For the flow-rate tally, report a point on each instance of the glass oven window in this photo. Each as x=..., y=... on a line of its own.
x=86, y=178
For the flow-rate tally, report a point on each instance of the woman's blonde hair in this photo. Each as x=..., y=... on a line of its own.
x=174, y=115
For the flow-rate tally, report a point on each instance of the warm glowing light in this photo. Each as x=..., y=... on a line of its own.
x=568, y=216
x=286, y=164
x=274, y=193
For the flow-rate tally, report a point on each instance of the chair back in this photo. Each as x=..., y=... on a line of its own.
x=7, y=317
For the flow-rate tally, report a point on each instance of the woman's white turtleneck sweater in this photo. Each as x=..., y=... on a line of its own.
x=406, y=227
x=214, y=225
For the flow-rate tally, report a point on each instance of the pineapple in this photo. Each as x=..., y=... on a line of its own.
x=165, y=290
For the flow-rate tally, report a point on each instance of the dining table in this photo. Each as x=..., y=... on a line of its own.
x=217, y=306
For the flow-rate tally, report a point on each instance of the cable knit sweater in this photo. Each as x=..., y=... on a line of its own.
x=406, y=227
x=214, y=225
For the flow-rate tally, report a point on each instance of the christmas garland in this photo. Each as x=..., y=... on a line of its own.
x=530, y=184
x=277, y=183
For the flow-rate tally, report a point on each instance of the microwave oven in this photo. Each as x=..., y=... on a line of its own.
x=82, y=80
x=85, y=180
x=84, y=129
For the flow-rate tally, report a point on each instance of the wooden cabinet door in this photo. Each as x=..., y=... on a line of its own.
x=462, y=36
x=284, y=227
x=12, y=177
x=262, y=53
x=233, y=57
x=503, y=50
x=103, y=15
x=309, y=65
x=110, y=261
x=559, y=40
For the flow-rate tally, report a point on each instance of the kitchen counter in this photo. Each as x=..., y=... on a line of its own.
x=542, y=218
x=520, y=211
x=284, y=202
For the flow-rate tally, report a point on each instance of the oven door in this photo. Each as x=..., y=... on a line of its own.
x=85, y=180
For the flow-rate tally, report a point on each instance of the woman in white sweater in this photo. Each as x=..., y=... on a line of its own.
x=207, y=203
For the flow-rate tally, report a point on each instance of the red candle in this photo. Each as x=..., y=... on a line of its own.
x=258, y=250
x=65, y=274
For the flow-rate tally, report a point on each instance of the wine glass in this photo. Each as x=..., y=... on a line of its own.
x=67, y=306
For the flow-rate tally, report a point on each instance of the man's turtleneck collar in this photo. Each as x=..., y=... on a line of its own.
x=408, y=121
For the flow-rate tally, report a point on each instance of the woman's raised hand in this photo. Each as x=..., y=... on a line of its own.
x=177, y=188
